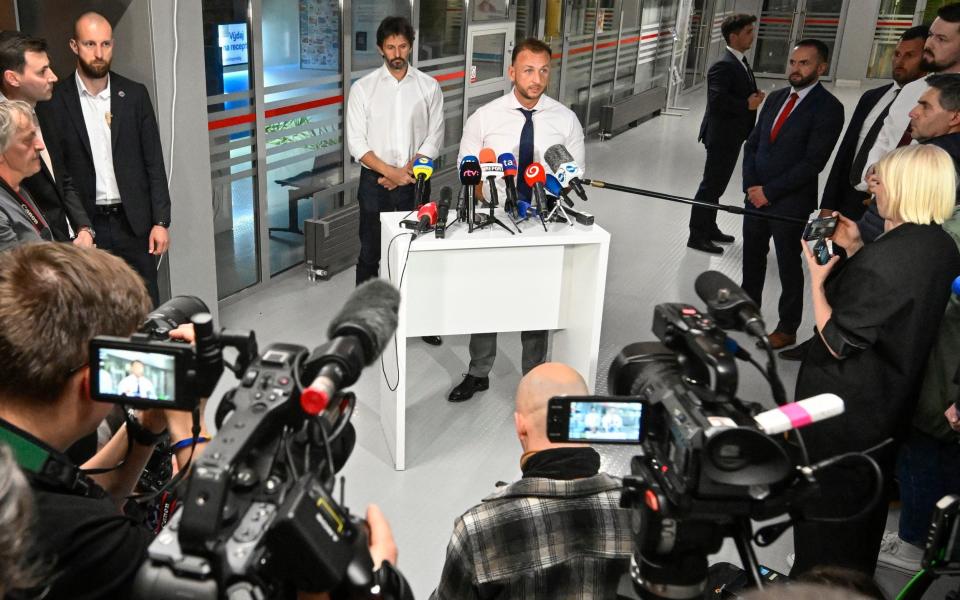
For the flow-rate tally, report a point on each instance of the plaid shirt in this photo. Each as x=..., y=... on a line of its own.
x=540, y=538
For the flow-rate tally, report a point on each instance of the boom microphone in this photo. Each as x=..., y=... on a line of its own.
x=492, y=170
x=422, y=170
x=357, y=337
x=728, y=304
x=565, y=168
x=799, y=414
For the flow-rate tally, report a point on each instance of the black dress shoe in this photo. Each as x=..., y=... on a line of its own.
x=721, y=238
x=433, y=340
x=468, y=387
x=704, y=246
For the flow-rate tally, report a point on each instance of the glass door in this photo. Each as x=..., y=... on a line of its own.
x=488, y=56
x=893, y=18
x=695, y=71
x=784, y=22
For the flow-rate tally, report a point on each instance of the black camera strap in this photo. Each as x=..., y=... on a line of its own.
x=49, y=468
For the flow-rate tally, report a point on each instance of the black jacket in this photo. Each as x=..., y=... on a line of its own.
x=788, y=167
x=57, y=198
x=887, y=303
x=838, y=194
x=727, y=119
x=137, y=154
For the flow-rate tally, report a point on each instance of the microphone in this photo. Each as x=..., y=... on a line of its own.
x=509, y=164
x=799, y=414
x=422, y=170
x=357, y=336
x=492, y=170
x=728, y=304
x=955, y=288
x=443, y=209
x=470, y=176
x=426, y=218
x=553, y=187
x=565, y=168
x=536, y=177
x=524, y=209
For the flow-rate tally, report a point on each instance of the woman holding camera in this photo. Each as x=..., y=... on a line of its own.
x=877, y=315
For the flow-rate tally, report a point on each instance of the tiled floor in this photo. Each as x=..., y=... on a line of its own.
x=457, y=452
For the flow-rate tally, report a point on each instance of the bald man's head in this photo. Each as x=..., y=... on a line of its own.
x=93, y=44
x=534, y=393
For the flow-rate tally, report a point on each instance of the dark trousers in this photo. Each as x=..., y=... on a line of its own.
x=928, y=469
x=853, y=544
x=483, y=351
x=717, y=170
x=374, y=199
x=786, y=240
x=116, y=237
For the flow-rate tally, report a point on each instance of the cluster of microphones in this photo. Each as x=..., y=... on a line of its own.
x=549, y=198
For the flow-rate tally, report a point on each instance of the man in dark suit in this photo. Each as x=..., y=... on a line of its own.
x=732, y=101
x=25, y=74
x=110, y=144
x=839, y=193
x=792, y=142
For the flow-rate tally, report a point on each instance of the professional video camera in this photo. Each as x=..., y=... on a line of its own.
x=258, y=518
x=709, y=461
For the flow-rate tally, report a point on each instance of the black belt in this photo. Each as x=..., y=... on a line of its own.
x=109, y=209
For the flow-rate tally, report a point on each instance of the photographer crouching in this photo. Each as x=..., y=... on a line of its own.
x=54, y=298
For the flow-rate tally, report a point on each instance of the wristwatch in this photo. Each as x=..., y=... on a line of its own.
x=163, y=224
x=140, y=434
x=93, y=234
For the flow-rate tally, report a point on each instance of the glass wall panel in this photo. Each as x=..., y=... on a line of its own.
x=579, y=55
x=233, y=139
x=821, y=20
x=629, y=46
x=604, y=58
x=773, y=36
x=665, y=32
x=895, y=17
x=553, y=36
x=488, y=57
x=303, y=99
x=442, y=55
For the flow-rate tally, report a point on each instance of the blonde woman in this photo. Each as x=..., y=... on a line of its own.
x=877, y=315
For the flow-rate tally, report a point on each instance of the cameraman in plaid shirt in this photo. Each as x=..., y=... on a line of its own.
x=558, y=532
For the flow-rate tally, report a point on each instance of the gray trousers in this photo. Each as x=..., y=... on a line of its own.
x=483, y=351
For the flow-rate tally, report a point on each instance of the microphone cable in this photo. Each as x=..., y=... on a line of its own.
x=383, y=367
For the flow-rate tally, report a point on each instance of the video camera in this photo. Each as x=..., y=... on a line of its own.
x=708, y=461
x=258, y=518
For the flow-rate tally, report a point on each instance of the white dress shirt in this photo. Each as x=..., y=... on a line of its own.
x=137, y=387
x=97, y=117
x=897, y=121
x=498, y=123
x=874, y=114
x=739, y=56
x=802, y=93
x=395, y=119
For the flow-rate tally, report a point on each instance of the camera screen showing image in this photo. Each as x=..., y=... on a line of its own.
x=136, y=375
x=605, y=422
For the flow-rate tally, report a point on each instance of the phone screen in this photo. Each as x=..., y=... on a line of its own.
x=605, y=421
x=820, y=228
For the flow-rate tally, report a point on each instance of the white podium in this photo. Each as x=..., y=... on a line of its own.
x=491, y=281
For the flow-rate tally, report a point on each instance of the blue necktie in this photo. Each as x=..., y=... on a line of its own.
x=526, y=154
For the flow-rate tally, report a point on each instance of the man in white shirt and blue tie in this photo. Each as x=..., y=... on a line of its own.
x=394, y=116
x=524, y=122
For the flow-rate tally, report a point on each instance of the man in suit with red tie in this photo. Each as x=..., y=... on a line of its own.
x=792, y=142
x=732, y=101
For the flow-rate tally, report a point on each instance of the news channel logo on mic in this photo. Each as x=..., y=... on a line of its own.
x=565, y=173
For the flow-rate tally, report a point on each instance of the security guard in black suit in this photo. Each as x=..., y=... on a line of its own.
x=732, y=101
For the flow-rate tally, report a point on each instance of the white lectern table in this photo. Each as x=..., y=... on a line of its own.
x=491, y=281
